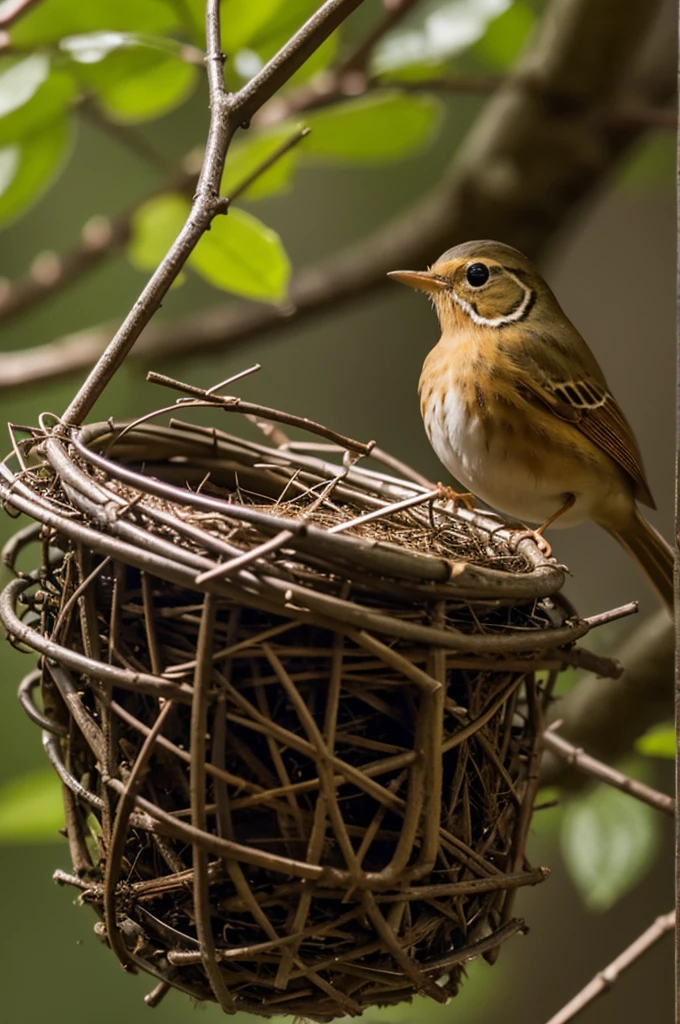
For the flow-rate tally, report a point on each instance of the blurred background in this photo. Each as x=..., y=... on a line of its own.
x=612, y=267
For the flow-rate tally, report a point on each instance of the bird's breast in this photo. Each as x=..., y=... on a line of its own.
x=514, y=455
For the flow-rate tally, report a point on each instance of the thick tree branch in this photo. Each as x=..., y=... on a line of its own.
x=543, y=143
x=606, y=716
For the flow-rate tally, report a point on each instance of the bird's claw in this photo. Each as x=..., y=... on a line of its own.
x=539, y=540
x=466, y=498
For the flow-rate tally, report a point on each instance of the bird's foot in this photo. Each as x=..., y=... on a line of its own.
x=535, y=535
x=466, y=498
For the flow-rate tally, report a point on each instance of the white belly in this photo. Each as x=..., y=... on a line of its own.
x=489, y=470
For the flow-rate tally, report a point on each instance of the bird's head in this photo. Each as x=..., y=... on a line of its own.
x=484, y=283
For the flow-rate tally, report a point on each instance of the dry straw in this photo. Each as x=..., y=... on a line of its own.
x=296, y=705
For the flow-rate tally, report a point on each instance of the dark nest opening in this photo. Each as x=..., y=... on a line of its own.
x=295, y=704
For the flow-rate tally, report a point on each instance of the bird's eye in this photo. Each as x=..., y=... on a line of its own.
x=477, y=274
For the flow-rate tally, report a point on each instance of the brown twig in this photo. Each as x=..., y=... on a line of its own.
x=230, y=404
x=605, y=716
x=606, y=978
x=358, y=60
x=12, y=10
x=611, y=776
x=227, y=112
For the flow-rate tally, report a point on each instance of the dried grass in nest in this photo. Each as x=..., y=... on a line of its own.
x=299, y=752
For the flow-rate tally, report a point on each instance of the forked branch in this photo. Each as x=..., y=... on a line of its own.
x=228, y=111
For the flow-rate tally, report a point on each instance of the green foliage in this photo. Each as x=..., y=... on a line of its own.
x=435, y=32
x=380, y=127
x=504, y=39
x=133, y=77
x=34, y=92
x=239, y=254
x=659, y=741
x=250, y=152
x=29, y=165
x=609, y=840
x=47, y=23
x=31, y=808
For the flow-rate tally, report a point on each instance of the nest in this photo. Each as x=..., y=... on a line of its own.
x=295, y=704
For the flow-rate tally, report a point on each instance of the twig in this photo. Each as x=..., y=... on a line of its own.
x=280, y=151
x=380, y=513
x=605, y=716
x=615, y=613
x=358, y=61
x=12, y=10
x=591, y=766
x=230, y=404
x=132, y=140
x=606, y=978
x=227, y=112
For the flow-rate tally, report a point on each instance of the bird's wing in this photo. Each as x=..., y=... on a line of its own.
x=587, y=403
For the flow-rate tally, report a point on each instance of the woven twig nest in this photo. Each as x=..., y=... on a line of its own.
x=298, y=732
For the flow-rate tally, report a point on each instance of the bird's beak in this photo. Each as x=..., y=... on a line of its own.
x=423, y=280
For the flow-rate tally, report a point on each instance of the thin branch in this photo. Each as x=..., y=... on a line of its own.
x=132, y=140
x=605, y=716
x=518, y=133
x=603, y=981
x=280, y=151
x=227, y=112
x=231, y=404
x=359, y=59
x=12, y=10
x=577, y=757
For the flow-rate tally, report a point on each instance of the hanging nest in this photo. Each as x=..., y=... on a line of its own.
x=294, y=705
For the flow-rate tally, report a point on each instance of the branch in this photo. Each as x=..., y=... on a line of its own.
x=358, y=61
x=606, y=978
x=606, y=716
x=12, y=10
x=535, y=153
x=228, y=111
x=576, y=757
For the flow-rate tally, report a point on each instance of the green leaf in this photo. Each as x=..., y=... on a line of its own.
x=155, y=227
x=133, y=81
x=47, y=23
x=287, y=17
x=244, y=21
x=248, y=154
x=436, y=31
x=47, y=103
x=33, y=162
x=609, y=840
x=92, y=47
x=504, y=39
x=31, y=808
x=659, y=741
x=241, y=255
x=380, y=127
x=20, y=80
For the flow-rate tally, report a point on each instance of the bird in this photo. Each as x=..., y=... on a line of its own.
x=518, y=410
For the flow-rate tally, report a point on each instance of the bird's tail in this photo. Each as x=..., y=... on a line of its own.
x=652, y=553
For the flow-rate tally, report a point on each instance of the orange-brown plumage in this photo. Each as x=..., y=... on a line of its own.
x=517, y=408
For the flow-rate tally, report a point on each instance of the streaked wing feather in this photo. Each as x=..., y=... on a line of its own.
x=592, y=409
